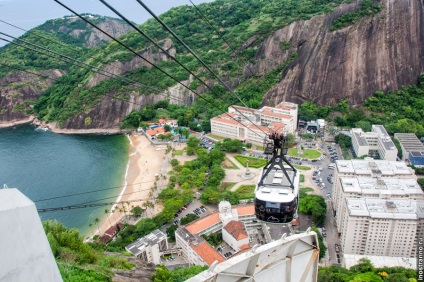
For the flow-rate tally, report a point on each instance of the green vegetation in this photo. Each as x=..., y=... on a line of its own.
x=314, y=205
x=367, y=8
x=246, y=192
x=231, y=164
x=216, y=137
x=307, y=153
x=227, y=185
x=365, y=271
x=78, y=261
x=302, y=167
x=322, y=247
x=253, y=162
x=304, y=191
x=229, y=145
x=302, y=178
x=421, y=182
x=162, y=273
x=178, y=152
x=215, y=239
x=188, y=218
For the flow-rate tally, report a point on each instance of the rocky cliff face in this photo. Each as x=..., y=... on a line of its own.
x=380, y=52
x=18, y=91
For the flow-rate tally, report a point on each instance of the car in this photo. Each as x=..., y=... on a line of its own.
x=324, y=234
x=323, y=229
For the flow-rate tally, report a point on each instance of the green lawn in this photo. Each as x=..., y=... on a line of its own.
x=305, y=191
x=307, y=153
x=302, y=178
x=253, y=162
x=233, y=165
x=216, y=137
x=302, y=167
x=246, y=192
x=226, y=185
x=178, y=152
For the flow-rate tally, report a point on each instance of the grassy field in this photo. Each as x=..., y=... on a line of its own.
x=307, y=153
x=253, y=162
x=246, y=191
x=305, y=191
x=226, y=185
x=302, y=178
x=178, y=152
x=228, y=164
x=216, y=137
x=302, y=167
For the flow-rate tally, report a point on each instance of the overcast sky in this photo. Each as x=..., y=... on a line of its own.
x=28, y=14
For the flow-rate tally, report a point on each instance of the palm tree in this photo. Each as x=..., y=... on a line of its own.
x=108, y=218
x=97, y=221
x=90, y=225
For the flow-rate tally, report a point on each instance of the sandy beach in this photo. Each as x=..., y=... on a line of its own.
x=145, y=162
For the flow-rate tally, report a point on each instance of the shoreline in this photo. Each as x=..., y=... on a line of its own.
x=53, y=128
x=144, y=163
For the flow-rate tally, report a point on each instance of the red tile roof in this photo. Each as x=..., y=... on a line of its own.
x=202, y=224
x=224, y=120
x=244, y=247
x=207, y=253
x=155, y=131
x=246, y=210
x=236, y=229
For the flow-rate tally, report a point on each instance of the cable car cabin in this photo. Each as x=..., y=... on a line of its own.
x=277, y=194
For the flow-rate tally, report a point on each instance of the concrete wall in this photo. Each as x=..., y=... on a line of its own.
x=25, y=251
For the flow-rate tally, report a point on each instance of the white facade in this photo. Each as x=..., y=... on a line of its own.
x=150, y=247
x=249, y=124
x=371, y=179
x=25, y=251
x=381, y=227
x=234, y=234
x=376, y=141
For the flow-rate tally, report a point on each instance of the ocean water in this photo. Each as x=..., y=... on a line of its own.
x=56, y=170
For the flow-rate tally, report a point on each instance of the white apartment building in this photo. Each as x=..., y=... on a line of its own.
x=372, y=143
x=409, y=142
x=372, y=179
x=249, y=124
x=235, y=234
x=381, y=227
x=196, y=250
x=150, y=247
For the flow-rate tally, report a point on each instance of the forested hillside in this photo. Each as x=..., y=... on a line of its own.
x=264, y=51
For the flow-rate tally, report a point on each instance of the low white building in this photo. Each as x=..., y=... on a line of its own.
x=150, y=247
x=379, y=261
x=376, y=142
x=234, y=234
x=382, y=227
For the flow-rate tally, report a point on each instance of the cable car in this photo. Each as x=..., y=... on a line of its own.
x=277, y=191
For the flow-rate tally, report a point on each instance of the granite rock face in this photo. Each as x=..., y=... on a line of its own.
x=381, y=52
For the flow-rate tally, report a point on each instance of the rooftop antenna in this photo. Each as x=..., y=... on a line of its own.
x=5, y=186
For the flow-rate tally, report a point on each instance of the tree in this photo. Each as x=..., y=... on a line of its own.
x=343, y=140
x=170, y=231
x=322, y=247
x=136, y=211
x=364, y=125
x=174, y=162
x=167, y=128
x=188, y=218
x=314, y=205
x=290, y=140
x=97, y=221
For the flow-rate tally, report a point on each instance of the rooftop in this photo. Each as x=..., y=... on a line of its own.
x=203, y=223
x=368, y=167
x=154, y=131
x=206, y=252
x=236, y=229
x=149, y=240
x=409, y=141
x=382, y=186
x=388, y=209
x=277, y=186
x=384, y=137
